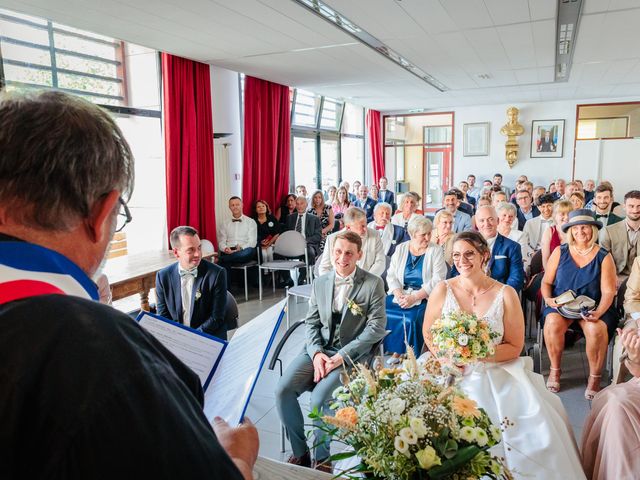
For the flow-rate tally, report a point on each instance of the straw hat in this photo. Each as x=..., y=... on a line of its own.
x=581, y=216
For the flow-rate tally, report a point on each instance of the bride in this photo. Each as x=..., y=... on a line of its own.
x=537, y=440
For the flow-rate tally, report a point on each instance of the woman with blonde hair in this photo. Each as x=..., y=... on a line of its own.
x=554, y=236
x=443, y=224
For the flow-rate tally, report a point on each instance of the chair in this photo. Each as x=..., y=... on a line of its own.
x=300, y=291
x=245, y=267
x=231, y=312
x=289, y=244
x=207, y=247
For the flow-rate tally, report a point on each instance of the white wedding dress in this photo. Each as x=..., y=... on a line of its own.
x=540, y=442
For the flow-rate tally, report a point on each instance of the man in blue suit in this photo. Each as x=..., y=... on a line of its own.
x=365, y=202
x=386, y=196
x=526, y=209
x=505, y=264
x=192, y=292
x=461, y=220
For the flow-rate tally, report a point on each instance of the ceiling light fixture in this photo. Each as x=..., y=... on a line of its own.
x=569, y=12
x=327, y=13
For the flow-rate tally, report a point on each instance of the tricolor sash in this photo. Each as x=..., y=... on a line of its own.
x=29, y=270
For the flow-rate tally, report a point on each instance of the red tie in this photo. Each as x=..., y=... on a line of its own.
x=378, y=227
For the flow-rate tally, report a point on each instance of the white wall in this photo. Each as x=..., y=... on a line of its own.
x=539, y=170
x=225, y=97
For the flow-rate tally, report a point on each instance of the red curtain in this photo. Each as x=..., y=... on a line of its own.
x=374, y=131
x=267, y=139
x=188, y=138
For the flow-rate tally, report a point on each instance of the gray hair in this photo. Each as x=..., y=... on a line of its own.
x=59, y=155
x=508, y=206
x=177, y=232
x=419, y=224
x=303, y=198
x=488, y=207
x=382, y=205
x=353, y=214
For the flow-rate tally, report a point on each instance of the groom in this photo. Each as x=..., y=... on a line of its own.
x=346, y=318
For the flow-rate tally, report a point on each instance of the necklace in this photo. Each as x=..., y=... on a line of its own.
x=414, y=259
x=479, y=294
x=583, y=253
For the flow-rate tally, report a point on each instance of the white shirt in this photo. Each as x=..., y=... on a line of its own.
x=341, y=290
x=386, y=235
x=186, y=291
x=491, y=242
x=243, y=234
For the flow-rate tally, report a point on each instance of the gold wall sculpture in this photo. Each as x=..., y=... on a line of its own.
x=512, y=130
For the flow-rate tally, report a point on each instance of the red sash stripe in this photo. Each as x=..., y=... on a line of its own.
x=18, y=289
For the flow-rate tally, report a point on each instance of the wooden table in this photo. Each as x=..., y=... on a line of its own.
x=267, y=469
x=136, y=274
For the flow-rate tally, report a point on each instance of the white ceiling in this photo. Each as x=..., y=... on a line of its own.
x=512, y=41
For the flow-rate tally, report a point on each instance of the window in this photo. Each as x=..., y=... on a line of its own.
x=329, y=161
x=331, y=114
x=304, y=158
x=306, y=106
x=123, y=78
x=352, y=142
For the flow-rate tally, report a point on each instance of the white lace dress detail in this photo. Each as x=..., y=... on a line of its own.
x=494, y=314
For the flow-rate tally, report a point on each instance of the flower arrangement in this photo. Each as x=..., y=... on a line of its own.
x=462, y=338
x=405, y=424
x=356, y=310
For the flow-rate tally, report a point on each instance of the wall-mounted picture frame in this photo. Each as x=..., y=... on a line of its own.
x=476, y=139
x=547, y=138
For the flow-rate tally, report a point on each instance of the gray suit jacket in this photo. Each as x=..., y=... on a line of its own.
x=461, y=222
x=358, y=333
x=615, y=239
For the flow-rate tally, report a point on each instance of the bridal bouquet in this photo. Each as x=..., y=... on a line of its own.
x=404, y=424
x=462, y=338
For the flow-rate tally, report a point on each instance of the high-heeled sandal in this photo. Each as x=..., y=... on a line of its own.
x=590, y=393
x=554, y=385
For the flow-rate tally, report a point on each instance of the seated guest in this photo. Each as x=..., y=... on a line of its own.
x=285, y=209
x=269, y=229
x=483, y=201
x=497, y=197
x=560, y=185
x=390, y=235
x=611, y=434
x=374, y=193
x=364, y=202
x=577, y=200
x=587, y=269
x=325, y=213
x=408, y=206
x=341, y=203
x=534, y=228
x=461, y=220
x=589, y=190
x=443, y=224
x=353, y=196
x=506, y=219
x=385, y=195
x=336, y=335
x=603, y=205
x=237, y=238
x=416, y=267
x=537, y=193
x=497, y=182
x=464, y=206
x=474, y=190
x=621, y=238
x=301, y=191
x=347, y=187
x=331, y=195
x=554, y=236
x=309, y=226
x=526, y=210
x=569, y=189
x=466, y=198
x=192, y=292
x=505, y=264
x=372, y=259
x=552, y=189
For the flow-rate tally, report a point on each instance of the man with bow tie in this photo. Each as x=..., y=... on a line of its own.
x=192, y=292
x=346, y=318
x=386, y=196
x=237, y=238
x=603, y=205
x=390, y=235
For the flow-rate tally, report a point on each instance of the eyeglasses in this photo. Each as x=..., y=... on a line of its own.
x=124, y=215
x=468, y=255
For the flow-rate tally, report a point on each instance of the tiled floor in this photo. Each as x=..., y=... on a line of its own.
x=262, y=409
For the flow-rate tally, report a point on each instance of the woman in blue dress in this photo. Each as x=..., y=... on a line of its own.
x=587, y=269
x=416, y=267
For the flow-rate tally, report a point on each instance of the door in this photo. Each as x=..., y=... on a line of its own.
x=437, y=176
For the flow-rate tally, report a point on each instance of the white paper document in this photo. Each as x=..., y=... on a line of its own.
x=235, y=378
x=198, y=351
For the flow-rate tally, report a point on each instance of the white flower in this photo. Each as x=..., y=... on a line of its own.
x=468, y=434
x=496, y=433
x=401, y=446
x=408, y=436
x=418, y=427
x=396, y=406
x=198, y=294
x=463, y=339
x=270, y=224
x=481, y=437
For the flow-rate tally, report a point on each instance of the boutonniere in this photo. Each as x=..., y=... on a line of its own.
x=393, y=242
x=270, y=224
x=198, y=294
x=354, y=308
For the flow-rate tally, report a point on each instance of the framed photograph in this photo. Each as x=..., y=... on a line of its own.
x=547, y=138
x=476, y=139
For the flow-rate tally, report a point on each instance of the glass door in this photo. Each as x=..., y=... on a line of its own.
x=437, y=171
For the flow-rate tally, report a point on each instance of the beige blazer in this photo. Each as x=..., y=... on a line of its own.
x=614, y=238
x=632, y=294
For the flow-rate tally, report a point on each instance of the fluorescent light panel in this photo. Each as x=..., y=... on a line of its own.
x=327, y=13
x=569, y=12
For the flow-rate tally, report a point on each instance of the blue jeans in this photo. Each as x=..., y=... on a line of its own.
x=227, y=260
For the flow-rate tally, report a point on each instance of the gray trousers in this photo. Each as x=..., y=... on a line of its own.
x=297, y=379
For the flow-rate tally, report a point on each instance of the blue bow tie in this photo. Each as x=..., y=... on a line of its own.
x=193, y=272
